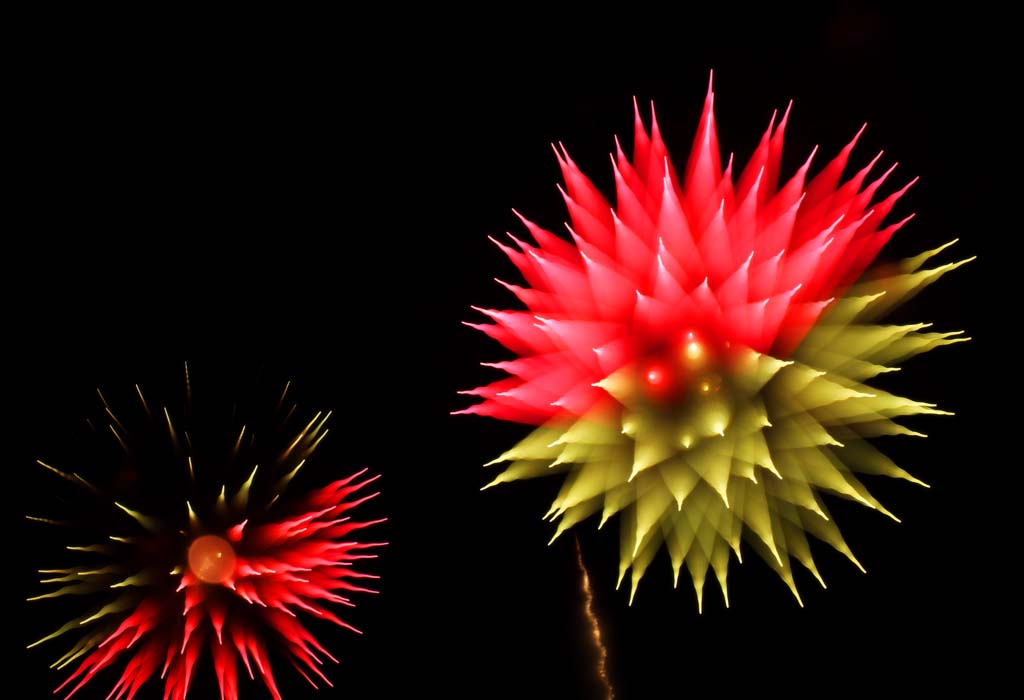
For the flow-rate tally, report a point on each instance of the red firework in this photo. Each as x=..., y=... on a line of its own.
x=740, y=261
x=224, y=570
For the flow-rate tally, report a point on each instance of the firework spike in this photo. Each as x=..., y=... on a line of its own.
x=48, y=521
x=73, y=478
x=193, y=519
x=222, y=506
x=145, y=521
x=170, y=428
x=287, y=478
x=914, y=264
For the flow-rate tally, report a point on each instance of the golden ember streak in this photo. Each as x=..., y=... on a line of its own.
x=595, y=628
x=188, y=387
x=170, y=427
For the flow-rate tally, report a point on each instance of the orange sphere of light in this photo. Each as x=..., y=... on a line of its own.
x=211, y=559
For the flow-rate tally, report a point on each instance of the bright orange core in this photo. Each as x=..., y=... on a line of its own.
x=211, y=559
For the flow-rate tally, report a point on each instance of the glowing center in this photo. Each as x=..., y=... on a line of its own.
x=211, y=559
x=657, y=377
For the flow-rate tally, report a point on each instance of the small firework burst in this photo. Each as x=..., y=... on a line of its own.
x=697, y=358
x=196, y=546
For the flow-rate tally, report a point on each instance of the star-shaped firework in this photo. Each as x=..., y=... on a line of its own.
x=196, y=544
x=697, y=357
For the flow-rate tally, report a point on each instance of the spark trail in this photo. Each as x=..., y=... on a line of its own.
x=595, y=627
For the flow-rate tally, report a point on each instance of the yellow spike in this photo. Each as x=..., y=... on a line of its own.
x=143, y=520
x=98, y=572
x=762, y=455
x=60, y=579
x=649, y=510
x=623, y=565
x=620, y=384
x=843, y=312
x=615, y=500
x=56, y=471
x=287, y=478
x=238, y=442
x=142, y=398
x=65, y=590
x=697, y=564
x=66, y=628
x=504, y=457
x=288, y=450
x=90, y=548
x=119, y=439
x=83, y=647
x=115, y=419
x=648, y=451
x=680, y=478
x=756, y=515
x=720, y=560
x=320, y=425
x=575, y=515
x=724, y=585
x=536, y=445
x=586, y=483
x=242, y=497
x=170, y=427
x=48, y=521
x=188, y=386
x=116, y=606
x=280, y=401
x=901, y=288
x=494, y=482
x=135, y=580
x=316, y=442
x=586, y=431
x=914, y=263
x=788, y=578
x=714, y=469
x=291, y=412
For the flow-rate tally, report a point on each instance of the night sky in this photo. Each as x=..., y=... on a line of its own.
x=282, y=205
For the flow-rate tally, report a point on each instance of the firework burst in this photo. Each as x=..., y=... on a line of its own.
x=201, y=550
x=697, y=358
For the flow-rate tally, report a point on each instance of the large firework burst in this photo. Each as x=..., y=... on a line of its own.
x=697, y=357
x=194, y=548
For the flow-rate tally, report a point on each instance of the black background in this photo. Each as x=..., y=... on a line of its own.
x=310, y=200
